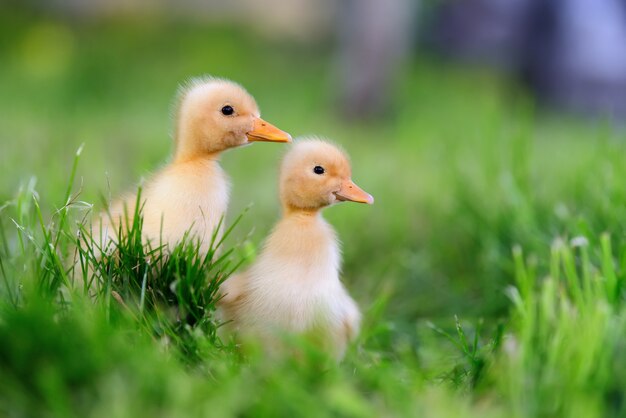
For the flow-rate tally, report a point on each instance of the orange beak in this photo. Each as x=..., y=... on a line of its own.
x=266, y=132
x=353, y=193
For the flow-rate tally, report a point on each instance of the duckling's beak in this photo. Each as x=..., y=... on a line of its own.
x=266, y=132
x=353, y=193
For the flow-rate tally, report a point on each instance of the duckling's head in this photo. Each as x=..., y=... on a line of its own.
x=315, y=174
x=215, y=114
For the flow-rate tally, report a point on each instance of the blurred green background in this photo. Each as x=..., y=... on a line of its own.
x=462, y=163
x=468, y=163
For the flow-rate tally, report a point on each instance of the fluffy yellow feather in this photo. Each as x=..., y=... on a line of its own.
x=191, y=193
x=294, y=284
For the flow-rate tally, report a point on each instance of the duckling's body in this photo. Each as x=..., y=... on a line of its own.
x=294, y=285
x=189, y=196
x=171, y=211
x=287, y=292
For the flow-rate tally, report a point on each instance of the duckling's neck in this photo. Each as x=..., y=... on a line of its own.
x=303, y=240
x=182, y=155
x=301, y=213
x=189, y=146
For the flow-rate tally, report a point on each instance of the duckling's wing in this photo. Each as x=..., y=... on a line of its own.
x=352, y=320
x=231, y=290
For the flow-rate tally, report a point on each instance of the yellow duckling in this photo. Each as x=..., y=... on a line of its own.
x=190, y=194
x=294, y=284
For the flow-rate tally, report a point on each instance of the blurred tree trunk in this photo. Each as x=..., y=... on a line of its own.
x=483, y=31
x=571, y=52
x=579, y=60
x=374, y=37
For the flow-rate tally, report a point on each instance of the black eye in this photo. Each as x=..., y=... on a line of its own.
x=318, y=169
x=228, y=110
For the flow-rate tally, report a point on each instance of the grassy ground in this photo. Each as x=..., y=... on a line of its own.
x=486, y=210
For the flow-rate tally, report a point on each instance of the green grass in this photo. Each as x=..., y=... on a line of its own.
x=490, y=269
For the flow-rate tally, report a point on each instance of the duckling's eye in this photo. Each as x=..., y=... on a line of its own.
x=228, y=110
x=318, y=169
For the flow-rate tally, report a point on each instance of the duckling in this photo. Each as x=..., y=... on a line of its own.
x=294, y=284
x=190, y=194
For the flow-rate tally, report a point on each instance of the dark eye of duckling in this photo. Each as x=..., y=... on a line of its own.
x=227, y=110
x=318, y=169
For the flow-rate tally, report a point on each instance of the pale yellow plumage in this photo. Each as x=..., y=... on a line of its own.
x=190, y=194
x=294, y=284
